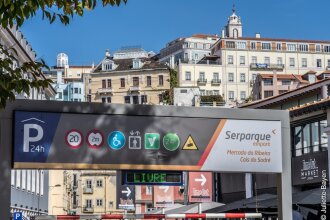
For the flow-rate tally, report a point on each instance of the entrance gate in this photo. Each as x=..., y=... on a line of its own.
x=59, y=135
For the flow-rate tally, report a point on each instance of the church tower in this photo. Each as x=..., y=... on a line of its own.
x=234, y=27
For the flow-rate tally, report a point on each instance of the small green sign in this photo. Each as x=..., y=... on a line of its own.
x=171, y=141
x=151, y=141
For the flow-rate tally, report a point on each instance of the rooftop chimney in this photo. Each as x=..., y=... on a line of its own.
x=258, y=35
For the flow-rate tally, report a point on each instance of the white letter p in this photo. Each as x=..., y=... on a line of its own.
x=27, y=138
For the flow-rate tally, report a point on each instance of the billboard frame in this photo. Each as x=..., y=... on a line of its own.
x=6, y=134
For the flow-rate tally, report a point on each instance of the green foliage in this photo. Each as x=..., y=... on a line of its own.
x=168, y=96
x=17, y=11
x=212, y=98
x=12, y=12
x=12, y=79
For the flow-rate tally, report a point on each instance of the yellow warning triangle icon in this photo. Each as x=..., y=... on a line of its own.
x=190, y=144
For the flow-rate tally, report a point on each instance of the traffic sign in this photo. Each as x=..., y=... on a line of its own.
x=190, y=144
x=125, y=195
x=116, y=140
x=74, y=138
x=18, y=216
x=151, y=141
x=163, y=196
x=95, y=139
x=200, y=187
x=170, y=178
x=171, y=141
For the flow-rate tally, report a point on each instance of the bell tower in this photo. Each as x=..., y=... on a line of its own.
x=234, y=27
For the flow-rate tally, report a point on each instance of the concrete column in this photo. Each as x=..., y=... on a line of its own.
x=248, y=185
x=275, y=86
x=284, y=185
x=5, y=166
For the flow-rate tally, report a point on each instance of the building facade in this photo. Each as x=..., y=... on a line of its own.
x=29, y=188
x=132, y=81
x=187, y=49
x=68, y=79
x=240, y=59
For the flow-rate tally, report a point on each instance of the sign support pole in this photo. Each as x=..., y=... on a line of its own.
x=284, y=185
x=5, y=166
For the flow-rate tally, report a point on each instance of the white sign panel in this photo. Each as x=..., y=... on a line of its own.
x=245, y=146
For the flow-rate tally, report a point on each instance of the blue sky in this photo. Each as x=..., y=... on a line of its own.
x=153, y=23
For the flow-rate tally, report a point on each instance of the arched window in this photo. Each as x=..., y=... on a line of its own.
x=235, y=33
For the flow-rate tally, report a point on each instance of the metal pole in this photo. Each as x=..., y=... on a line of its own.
x=185, y=192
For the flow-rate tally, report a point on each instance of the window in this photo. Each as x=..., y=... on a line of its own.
x=122, y=82
x=267, y=60
x=111, y=204
x=104, y=100
x=242, y=77
x=309, y=138
x=136, y=63
x=148, y=80
x=231, y=95
x=144, y=99
x=242, y=60
x=243, y=95
x=99, y=183
x=185, y=57
x=278, y=46
x=196, y=56
x=89, y=98
x=99, y=202
x=253, y=45
x=202, y=76
x=292, y=63
x=216, y=76
x=327, y=49
x=268, y=94
x=188, y=76
x=127, y=99
x=108, y=99
x=303, y=62
x=230, y=77
x=204, y=46
x=318, y=48
x=303, y=47
x=268, y=82
x=88, y=203
x=230, y=44
x=88, y=183
x=202, y=92
x=135, y=81
x=318, y=63
x=216, y=92
x=76, y=90
x=328, y=66
x=241, y=45
x=161, y=80
x=279, y=61
x=230, y=59
x=291, y=47
x=266, y=46
x=109, y=83
x=254, y=60
x=286, y=82
x=195, y=45
x=148, y=190
x=60, y=95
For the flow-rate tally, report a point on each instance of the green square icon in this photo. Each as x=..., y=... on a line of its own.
x=151, y=141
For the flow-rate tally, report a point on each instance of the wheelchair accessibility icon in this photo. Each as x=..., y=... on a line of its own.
x=116, y=140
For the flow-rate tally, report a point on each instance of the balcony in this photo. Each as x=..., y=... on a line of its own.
x=201, y=81
x=88, y=209
x=266, y=66
x=216, y=81
x=135, y=88
x=88, y=190
x=104, y=90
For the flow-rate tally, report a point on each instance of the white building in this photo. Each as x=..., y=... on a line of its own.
x=187, y=49
x=239, y=59
x=29, y=188
x=130, y=53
